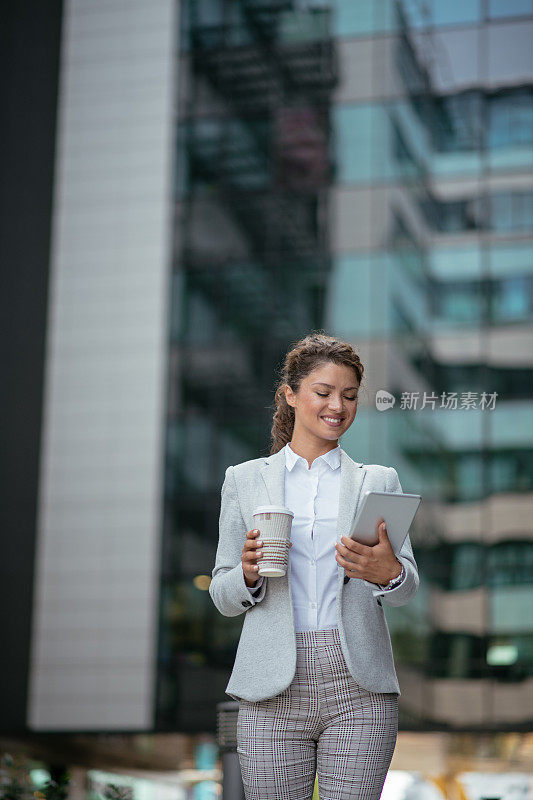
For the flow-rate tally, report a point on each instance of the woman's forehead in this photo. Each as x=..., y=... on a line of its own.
x=333, y=375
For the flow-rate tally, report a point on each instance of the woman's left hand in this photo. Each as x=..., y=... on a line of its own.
x=376, y=564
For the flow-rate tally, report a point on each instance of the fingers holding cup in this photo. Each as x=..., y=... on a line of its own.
x=251, y=553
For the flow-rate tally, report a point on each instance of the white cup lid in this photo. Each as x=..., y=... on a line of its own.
x=271, y=510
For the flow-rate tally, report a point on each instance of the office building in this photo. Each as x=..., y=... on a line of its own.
x=222, y=178
x=432, y=254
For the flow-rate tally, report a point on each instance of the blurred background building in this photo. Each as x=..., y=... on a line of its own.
x=190, y=187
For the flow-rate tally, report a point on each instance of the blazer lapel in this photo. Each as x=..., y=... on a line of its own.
x=352, y=477
x=273, y=472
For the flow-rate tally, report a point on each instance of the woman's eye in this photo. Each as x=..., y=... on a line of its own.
x=346, y=398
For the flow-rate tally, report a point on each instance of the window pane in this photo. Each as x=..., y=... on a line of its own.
x=467, y=567
x=512, y=298
x=453, y=12
x=511, y=118
x=360, y=17
x=509, y=8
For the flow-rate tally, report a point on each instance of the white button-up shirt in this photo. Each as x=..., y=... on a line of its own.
x=312, y=494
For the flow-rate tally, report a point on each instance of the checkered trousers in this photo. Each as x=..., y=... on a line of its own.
x=324, y=722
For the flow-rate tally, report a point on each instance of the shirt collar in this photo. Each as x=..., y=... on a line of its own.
x=332, y=458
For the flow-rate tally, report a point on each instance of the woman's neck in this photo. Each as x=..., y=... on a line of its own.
x=312, y=450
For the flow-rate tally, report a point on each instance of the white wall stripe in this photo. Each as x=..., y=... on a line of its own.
x=99, y=515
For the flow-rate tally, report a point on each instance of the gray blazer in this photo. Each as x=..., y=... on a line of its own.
x=265, y=662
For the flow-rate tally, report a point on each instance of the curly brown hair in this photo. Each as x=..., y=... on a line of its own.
x=304, y=356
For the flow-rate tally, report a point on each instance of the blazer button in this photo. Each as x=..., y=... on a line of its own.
x=246, y=603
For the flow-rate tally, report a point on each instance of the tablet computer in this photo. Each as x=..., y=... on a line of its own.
x=396, y=510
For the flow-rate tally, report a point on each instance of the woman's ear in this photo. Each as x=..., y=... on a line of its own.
x=289, y=396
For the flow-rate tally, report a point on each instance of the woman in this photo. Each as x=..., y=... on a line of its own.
x=314, y=672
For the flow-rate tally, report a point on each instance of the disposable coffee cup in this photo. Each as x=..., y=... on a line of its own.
x=274, y=524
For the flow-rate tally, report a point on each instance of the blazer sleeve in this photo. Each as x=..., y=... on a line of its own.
x=409, y=586
x=228, y=589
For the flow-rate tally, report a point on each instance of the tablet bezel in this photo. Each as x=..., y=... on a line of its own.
x=397, y=526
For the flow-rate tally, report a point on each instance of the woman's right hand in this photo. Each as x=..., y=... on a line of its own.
x=251, y=553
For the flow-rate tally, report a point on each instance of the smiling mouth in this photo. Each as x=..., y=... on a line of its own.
x=333, y=422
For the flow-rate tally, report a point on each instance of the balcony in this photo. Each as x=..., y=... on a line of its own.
x=277, y=55
x=272, y=192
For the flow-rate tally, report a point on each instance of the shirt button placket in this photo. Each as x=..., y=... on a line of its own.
x=313, y=594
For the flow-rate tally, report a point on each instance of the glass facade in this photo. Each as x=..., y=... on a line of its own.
x=366, y=168
x=444, y=311
x=251, y=265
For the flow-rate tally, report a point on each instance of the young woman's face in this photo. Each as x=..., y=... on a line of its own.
x=326, y=402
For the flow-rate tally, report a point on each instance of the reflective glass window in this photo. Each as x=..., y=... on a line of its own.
x=460, y=122
x=456, y=215
x=456, y=12
x=435, y=564
x=360, y=17
x=504, y=211
x=511, y=118
x=510, y=608
x=363, y=149
x=511, y=259
x=455, y=122
x=208, y=12
x=411, y=73
x=408, y=253
x=458, y=262
x=184, y=25
x=181, y=174
x=467, y=566
x=407, y=165
x=512, y=211
x=509, y=8
x=457, y=655
x=469, y=477
x=458, y=301
x=416, y=15
x=510, y=563
x=239, y=32
x=370, y=146
x=351, y=290
x=441, y=12
x=513, y=299
x=470, y=302
x=502, y=217
x=201, y=319
x=511, y=471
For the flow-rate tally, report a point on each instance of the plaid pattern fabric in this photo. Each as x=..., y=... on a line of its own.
x=324, y=722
